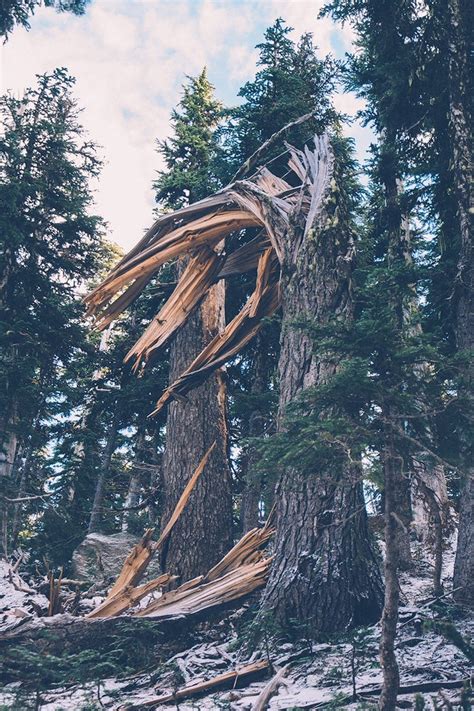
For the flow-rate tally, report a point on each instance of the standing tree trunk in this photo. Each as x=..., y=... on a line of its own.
x=106, y=458
x=460, y=133
x=8, y=451
x=393, y=474
x=203, y=533
x=254, y=485
x=325, y=574
x=133, y=493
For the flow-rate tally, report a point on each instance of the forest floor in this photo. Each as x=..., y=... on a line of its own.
x=434, y=650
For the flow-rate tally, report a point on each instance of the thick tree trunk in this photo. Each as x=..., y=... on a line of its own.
x=460, y=131
x=203, y=532
x=253, y=484
x=325, y=574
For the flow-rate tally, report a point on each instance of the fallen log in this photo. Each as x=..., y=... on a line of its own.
x=129, y=597
x=231, y=679
x=50, y=646
x=188, y=601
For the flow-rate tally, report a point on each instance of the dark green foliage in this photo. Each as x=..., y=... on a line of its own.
x=51, y=244
x=66, y=397
x=190, y=155
x=291, y=82
x=19, y=12
x=114, y=657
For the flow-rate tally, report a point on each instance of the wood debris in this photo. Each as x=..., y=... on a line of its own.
x=241, y=571
x=230, y=679
x=270, y=689
x=227, y=344
x=124, y=593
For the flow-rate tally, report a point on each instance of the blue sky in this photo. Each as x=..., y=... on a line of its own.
x=130, y=58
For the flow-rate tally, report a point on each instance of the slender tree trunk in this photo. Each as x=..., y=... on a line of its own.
x=393, y=474
x=203, y=532
x=8, y=450
x=132, y=498
x=399, y=255
x=133, y=494
x=325, y=575
x=110, y=444
x=460, y=131
x=21, y=491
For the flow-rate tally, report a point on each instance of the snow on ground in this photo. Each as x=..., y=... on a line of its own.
x=322, y=676
x=18, y=600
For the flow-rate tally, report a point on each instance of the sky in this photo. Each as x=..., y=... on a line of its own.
x=130, y=59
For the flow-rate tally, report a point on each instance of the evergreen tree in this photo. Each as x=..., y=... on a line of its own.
x=291, y=82
x=190, y=154
x=51, y=243
x=321, y=517
x=397, y=70
x=18, y=12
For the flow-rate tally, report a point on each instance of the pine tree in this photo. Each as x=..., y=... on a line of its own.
x=51, y=243
x=194, y=425
x=459, y=25
x=393, y=70
x=18, y=12
x=291, y=82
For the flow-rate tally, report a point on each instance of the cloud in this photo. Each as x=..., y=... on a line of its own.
x=130, y=58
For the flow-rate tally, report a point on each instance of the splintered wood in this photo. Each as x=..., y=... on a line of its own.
x=124, y=594
x=241, y=571
x=199, y=231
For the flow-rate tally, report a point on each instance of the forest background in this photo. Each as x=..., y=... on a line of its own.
x=359, y=390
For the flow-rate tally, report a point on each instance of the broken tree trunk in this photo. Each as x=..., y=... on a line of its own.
x=320, y=515
x=315, y=265
x=191, y=427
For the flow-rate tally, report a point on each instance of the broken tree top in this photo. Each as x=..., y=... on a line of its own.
x=199, y=231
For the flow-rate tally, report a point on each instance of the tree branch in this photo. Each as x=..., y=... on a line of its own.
x=254, y=158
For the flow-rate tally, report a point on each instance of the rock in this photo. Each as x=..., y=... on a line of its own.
x=100, y=558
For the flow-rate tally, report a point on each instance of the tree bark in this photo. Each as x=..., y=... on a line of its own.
x=204, y=530
x=325, y=574
x=460, y=127
x=254, y=485
x=393, y=475
x=8, y=451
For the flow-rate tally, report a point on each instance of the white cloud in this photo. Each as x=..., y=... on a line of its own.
x=130, y=58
